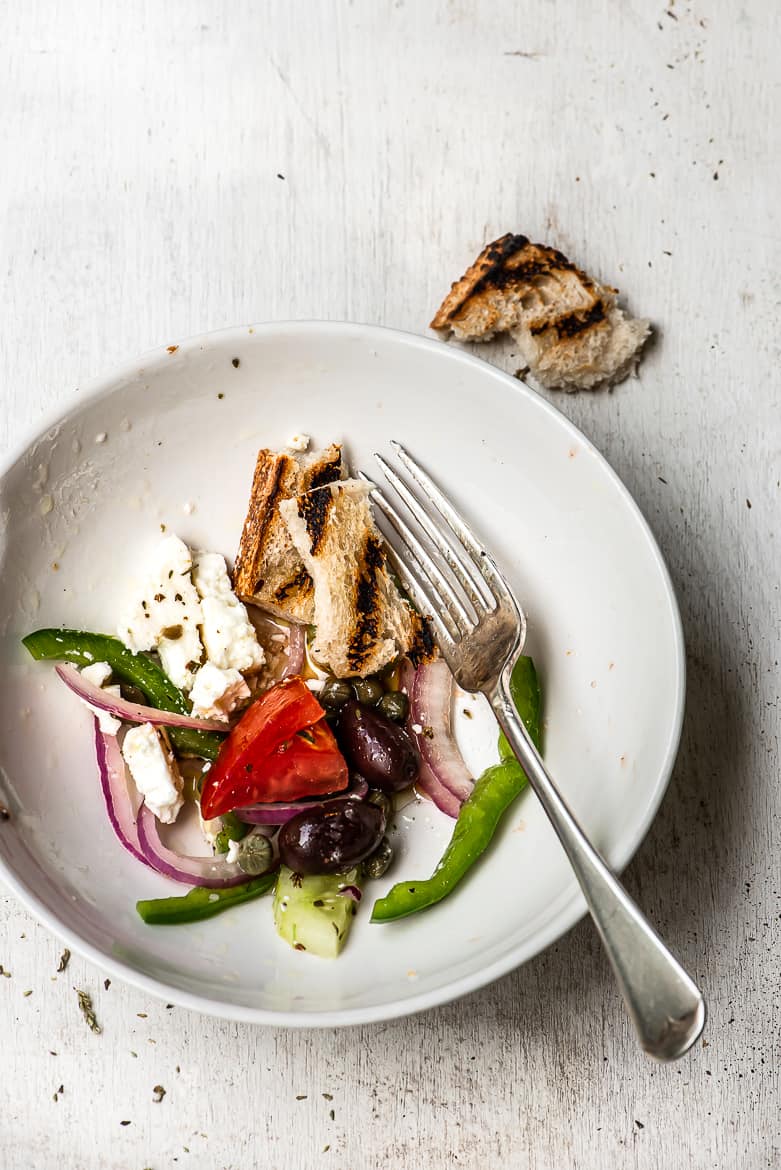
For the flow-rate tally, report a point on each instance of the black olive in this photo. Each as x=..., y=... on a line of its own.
x=376, y=747
x=332, y=838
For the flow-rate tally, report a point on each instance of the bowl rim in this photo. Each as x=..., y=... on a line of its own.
x=571, y=911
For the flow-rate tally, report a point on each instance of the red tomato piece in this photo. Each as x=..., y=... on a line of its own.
x=308, y=764
x=279, y=750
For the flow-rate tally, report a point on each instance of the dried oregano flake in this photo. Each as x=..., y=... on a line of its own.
x=87, y=1010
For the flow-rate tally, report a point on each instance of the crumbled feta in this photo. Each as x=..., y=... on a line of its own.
x=167, y=616
x=152, y=765
x=299, y=442
x=232, y=855
x=216, y=693
x=98, y=673
x=228, y=634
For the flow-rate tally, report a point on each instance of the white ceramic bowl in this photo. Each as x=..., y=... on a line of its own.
x=172, y=439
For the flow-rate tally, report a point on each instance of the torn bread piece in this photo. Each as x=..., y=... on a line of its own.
x=269, y=571
x=568, y=328
x=362, y=620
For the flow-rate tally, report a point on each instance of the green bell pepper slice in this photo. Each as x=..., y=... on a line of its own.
x=480, y=813
x=232, y=830
x=138, y=670
x=202, y=902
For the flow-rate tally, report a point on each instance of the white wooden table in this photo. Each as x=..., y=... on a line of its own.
x=174, y=167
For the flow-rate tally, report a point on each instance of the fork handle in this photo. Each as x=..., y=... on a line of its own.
x=665, y=1005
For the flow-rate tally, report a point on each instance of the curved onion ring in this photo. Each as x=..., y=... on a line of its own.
x=113, y=783
x=214, y=872
x=431, y=705
x=427, y=782
x=130, y=712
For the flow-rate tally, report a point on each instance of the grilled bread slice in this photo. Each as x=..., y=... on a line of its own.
x=269, y=571
x=362, y=620
x=568, y=328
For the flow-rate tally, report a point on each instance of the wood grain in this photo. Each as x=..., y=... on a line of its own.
x=177, y=167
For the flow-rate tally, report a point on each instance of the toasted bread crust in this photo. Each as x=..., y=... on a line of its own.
x=566, y=325
x=370, y=562
x=276, y=476
x=422, y=647
x=513, y=263
x=268, y=571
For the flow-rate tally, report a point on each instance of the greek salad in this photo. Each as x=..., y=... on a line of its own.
x=209, y=706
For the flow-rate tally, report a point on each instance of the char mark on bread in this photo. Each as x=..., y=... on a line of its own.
x=567, y=326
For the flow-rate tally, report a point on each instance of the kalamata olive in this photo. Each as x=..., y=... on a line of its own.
x=376, y=747
x=331, y=838
x=335, y=693
x=395, y=705
x=367, y=691
x=375, y=865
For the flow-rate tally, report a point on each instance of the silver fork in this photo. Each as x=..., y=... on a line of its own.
x=481, y=630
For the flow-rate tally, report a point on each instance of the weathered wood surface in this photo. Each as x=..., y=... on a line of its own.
x=170, y=168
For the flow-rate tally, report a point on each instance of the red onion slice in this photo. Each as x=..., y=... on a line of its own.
x=431, y=704
x=350, y=892
x=278, y=814
x=113, y=783
x=130, y=712
x=442, y=797
x=213, y=872
x=296, y=651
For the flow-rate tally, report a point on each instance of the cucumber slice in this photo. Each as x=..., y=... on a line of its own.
x=311, y=914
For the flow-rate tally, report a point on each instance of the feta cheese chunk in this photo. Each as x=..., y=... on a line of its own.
x=168, y=614
x=232, y=855
x=98, y=673
x=152, y=765
x=216, y=693
x=228, y=634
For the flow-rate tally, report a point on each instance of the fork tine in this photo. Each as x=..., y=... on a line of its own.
x=471, y=583
x=462, y=620
x=404, y=564
x=479, y=557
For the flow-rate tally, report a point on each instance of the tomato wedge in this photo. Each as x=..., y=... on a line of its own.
x=281, y=749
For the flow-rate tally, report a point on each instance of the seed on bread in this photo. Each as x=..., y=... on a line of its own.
x=567, y=326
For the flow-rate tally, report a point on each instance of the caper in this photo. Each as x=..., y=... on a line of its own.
x=335, y=693
x=368, y=691
x=395, y=705
x=254, y=854
x=376, y=865
x=381, y=800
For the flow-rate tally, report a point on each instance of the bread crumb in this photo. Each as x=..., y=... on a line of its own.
x=299, y=442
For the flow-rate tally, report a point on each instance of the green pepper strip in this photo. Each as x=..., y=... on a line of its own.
x=480, y=814
x=202, y=902
x=136, y=669
x=232, y=830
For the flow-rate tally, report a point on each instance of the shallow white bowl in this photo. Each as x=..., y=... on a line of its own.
x=172, y=439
